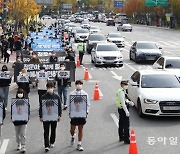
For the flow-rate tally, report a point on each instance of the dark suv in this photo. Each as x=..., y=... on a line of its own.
x=110, y=21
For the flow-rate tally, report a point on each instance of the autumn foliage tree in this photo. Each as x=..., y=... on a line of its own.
x=23, y=10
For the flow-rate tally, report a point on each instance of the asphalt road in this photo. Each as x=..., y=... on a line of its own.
x=100, y=132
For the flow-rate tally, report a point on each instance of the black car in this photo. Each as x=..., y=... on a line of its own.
x=144, y=51
x=110, y=22
x=93, y=39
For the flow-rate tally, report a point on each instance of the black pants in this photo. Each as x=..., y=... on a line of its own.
x=123, y=125
x=40, y=93
x=81, y=54
x=46, y=126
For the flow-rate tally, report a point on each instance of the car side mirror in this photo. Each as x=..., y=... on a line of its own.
x=160, y=47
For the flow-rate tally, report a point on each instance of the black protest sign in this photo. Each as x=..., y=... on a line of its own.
x=51, y=68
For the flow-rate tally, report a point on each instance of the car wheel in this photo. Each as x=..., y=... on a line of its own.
x=117, y=29
x=139, y=108
x=130, y=56
x=95, y=64
x=131, y=30
x=92, y=61
x=120, y=65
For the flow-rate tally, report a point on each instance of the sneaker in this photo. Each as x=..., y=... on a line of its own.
x=126, y=141
x=19, y=147
x=23, y=150
x=47, y=149
x=51, y=145
x=79, y=147
x=65, y=107
x=6, y=108
x=72, y=141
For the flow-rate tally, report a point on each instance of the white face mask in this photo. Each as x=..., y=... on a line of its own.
x=24, y=74
x=20, y=95
x=42, y=71
x=125, y=87
x=79, y=87
x=50, y=90
x=63, y=68
x=30, y=51
x=34, y=56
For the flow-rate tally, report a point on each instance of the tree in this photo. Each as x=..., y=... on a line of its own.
x=22, y=11
x=175, y=7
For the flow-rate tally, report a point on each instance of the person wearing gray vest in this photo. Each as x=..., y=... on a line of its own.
x=122, y=103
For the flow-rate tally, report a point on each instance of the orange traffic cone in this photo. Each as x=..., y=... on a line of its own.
x=86, y=74
x=96, y=93
x=78, y=62
x=133, y=147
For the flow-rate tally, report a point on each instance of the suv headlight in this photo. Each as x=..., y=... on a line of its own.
x=150, y=101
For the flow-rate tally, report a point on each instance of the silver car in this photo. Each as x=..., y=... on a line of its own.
x=81, y=35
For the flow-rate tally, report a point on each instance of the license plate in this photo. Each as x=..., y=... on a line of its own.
x=150, y=58
x=171, y=108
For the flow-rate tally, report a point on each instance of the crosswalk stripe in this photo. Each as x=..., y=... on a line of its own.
x=4, y=146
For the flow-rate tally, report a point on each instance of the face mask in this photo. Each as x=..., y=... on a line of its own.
x=31, y=51
x=41, y=71
x=4, y=69
x=79, y=87
x=125, y=87
x=50, y=90
x=63, y=68
x=18, y=59
x=53, y=55
x=20, y=95
x=34, y=56
x=24, y=74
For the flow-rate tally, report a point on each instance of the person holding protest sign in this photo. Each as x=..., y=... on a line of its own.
x=41, y=79
x=5, y=81
x=50, y=95
x=23, y=81
x=20, y=125
x=62, y=85
x=78, y=121
x=53, y=58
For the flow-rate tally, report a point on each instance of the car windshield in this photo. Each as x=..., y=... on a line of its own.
x=160, y=81
x=172, y=63
x=97, y=38
x=107, y=48
x=115, y=35
x=82, y=31
x=146, y=46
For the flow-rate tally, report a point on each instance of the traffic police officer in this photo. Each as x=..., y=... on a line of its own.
x=122, y=103
x=81, y=49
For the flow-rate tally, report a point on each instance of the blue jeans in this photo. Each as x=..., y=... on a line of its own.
x=4, y=91
x=63, y=90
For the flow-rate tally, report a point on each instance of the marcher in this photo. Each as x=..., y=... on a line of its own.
x=81, y=49
x=49, y=142
x=3, y=116
x=24, y=84
x=11, y=42
x=53, y=58
x=4, y=86
x=6, y=53
x=21, y=126
x=62, y=86
x=123, y=109
x=80, y=122
x=42, y=82
x=18, y=47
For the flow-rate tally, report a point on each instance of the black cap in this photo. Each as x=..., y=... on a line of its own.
x=125, y=82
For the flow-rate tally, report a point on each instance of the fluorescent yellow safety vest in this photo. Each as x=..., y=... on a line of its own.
x=80, y=47
x=118, y=100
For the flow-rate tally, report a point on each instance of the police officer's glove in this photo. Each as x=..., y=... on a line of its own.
x=131, y=103
x=127, y=113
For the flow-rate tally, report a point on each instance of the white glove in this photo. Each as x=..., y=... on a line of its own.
x=127, y=113
x=131, y=103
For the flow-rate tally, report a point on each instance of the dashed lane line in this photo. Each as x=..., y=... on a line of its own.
x=115, y=119
x=4, y=146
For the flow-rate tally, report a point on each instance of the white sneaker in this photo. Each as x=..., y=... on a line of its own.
x=23, y=150
x=79, y=147
x=47, y=149
x=19, y=147
x=51, y=145
x=65, y=107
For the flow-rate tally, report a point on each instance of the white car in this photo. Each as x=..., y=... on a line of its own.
x=106, y=53
x=116, y=38
x=94, y=29
x=81, y=35
x=155, y=92
x=169, y=64
x=124, y=27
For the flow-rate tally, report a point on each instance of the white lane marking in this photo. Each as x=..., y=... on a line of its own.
x=4, y=146
x=126, y=50
x=115, y=119
x=100, y=93
x=116, y=76
x=130, y=67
